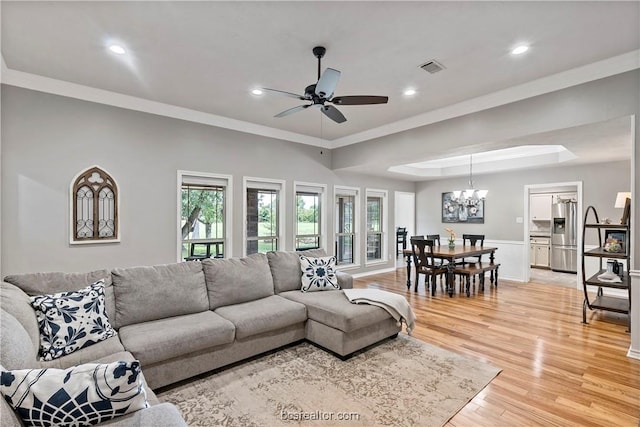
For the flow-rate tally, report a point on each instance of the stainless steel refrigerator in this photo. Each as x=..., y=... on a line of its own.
x=564, y=234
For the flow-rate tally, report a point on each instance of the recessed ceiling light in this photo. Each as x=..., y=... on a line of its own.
x=410, y=92
x=116, y=48
x=519, y=50
x=257, y=91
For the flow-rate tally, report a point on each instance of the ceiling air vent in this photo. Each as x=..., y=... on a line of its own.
x=432, y=67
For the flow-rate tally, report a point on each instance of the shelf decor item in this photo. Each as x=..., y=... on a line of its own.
x=615, y=241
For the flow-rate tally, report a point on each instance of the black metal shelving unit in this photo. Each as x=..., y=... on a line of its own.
x=601, y=301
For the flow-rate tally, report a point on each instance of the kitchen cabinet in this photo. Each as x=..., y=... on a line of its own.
x=539, y=252
x=540, y=207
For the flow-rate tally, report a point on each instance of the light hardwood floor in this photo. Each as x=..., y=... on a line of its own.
x=555, y=370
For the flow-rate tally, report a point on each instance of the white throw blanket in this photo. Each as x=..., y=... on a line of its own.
x=395, y=304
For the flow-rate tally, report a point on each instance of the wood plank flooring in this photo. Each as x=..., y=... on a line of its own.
x=555, y=370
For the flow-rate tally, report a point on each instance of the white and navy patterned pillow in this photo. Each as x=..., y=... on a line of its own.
x=79, y=396
x=318, y=274
x=69, y=321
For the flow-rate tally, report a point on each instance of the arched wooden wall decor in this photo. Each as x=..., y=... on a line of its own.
x=94, y=210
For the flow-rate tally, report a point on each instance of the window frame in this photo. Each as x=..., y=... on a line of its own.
x=265, y=184
x=383, y=232
x=214, y=180
x=340, y=190
x=321, y=191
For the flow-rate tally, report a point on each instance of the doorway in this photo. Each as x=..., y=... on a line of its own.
x=405, y=216
x=539, y=229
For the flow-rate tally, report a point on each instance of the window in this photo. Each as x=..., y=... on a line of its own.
x=263, y=219
x=309, y=216
x=346, y=235
x=376, y=213
x=204, y=218
x=94, y=207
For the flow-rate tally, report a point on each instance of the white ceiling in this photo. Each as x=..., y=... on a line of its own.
x=205, y=57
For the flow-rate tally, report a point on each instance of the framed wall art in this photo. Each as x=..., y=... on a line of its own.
x=469, y=211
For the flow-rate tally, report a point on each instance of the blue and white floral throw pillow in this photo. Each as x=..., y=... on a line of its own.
x=78, y=396
x=318, y=274
x=69, y=321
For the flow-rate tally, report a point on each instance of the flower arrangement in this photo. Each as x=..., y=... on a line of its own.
x=452, y=236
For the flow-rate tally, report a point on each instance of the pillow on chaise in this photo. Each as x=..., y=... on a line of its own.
x=318, y=274
x=78, y=396
x=69, y=321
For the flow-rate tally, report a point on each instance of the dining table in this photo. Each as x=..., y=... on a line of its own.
x=450, y=254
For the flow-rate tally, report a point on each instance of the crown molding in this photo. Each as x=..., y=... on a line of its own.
x=100, y=96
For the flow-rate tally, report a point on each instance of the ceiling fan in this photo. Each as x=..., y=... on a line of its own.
x=321, y=93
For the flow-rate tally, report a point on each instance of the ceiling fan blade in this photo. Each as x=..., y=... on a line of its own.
x=281, y=92
x=327, y=83
x=333, y=113
x=360, y=100
x=292, y=110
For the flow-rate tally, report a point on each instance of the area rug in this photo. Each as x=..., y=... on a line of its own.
x=401, y=382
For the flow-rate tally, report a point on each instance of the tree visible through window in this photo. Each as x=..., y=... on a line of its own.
x=307, y=220
x=203, y=227
x=262, y=220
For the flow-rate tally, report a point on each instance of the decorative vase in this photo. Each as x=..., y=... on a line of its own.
x=452, y=243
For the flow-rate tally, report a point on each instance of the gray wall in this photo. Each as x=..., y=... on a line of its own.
x=47, y=139
x=505, y=200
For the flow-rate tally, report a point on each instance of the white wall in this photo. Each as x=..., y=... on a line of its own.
x=47, y=139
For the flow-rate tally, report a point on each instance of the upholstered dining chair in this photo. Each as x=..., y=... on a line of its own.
x=425, y=263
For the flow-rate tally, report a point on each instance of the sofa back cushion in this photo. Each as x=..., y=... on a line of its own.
x=285, y=268
x=52, y=283
x=143, y=294
x=237, y=280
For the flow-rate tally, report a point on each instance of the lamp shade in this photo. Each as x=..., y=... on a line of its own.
x=621, y=198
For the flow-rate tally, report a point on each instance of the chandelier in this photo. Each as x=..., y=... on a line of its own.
x=469, y=197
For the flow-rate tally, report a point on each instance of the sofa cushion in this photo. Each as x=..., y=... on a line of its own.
x=82, y=395
x=16, y=302
x=52, y=283
x=151, y=293
x=334, y=309
x=163, y=339
x=263, y=315
x=69, y=321
x=285, y=268
x=318, y=274
x=237, y=280
x=16, y=349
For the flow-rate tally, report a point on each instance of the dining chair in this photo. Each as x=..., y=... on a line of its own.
x=401, y=239
x=425, y=263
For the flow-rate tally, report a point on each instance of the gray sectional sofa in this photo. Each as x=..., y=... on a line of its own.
x=180, y=320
